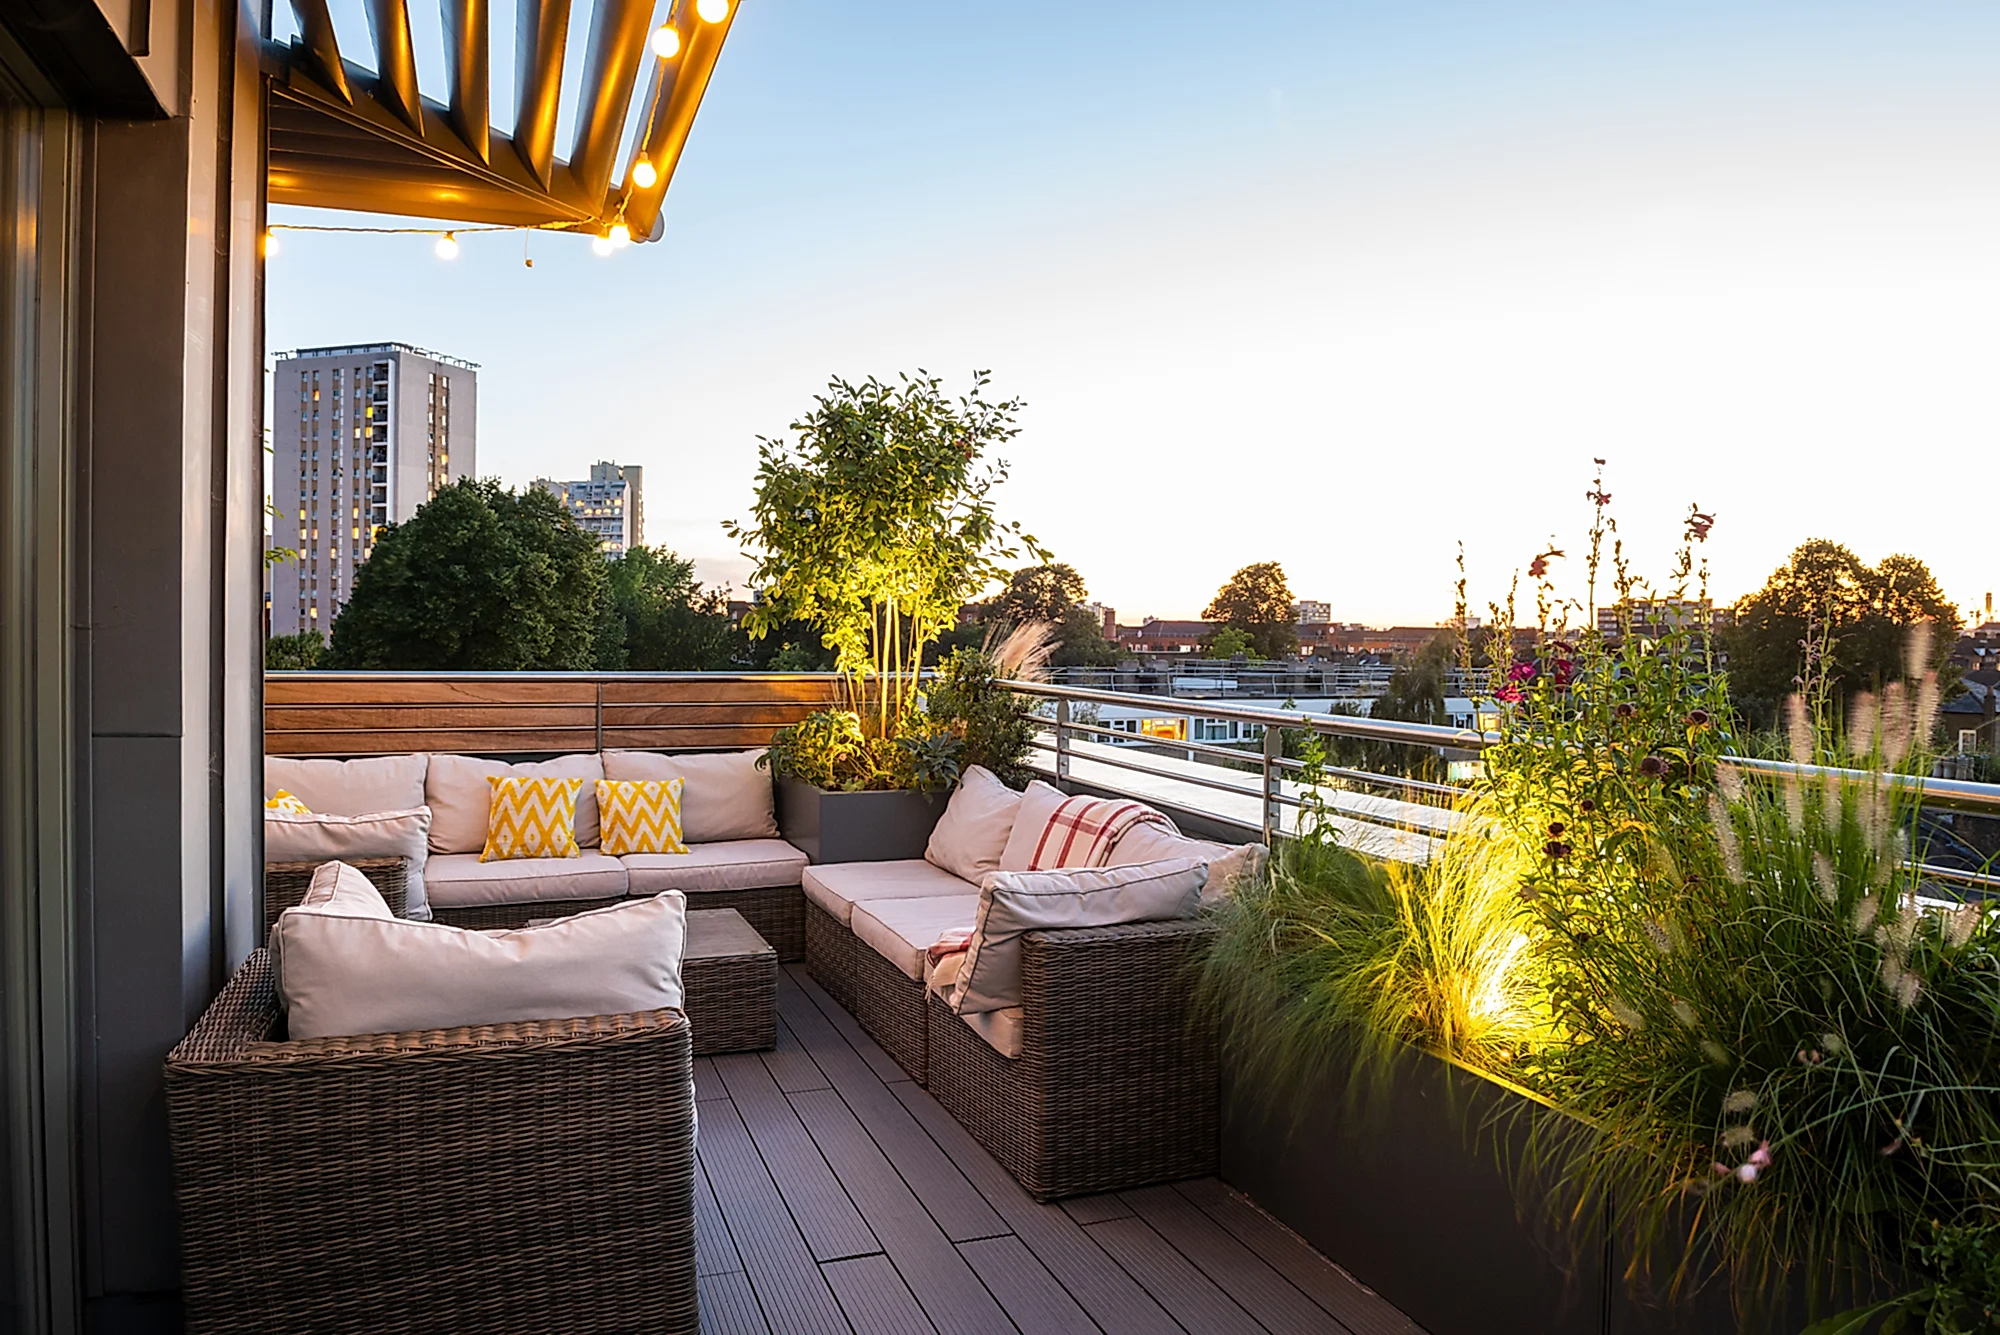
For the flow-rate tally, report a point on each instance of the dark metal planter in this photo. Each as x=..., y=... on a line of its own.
x=1413, y=1197
x=856, y=827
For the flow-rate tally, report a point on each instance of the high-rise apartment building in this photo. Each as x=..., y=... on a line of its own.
x=360, y=437
x=611, y=503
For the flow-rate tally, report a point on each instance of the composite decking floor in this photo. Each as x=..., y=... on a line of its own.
x=836, y=1196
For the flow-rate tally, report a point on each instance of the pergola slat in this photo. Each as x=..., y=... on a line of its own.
x=619, y=31
x=468, y=35
x=322, y=49
x=541, y=37
x=396, y=62
x=676, y=96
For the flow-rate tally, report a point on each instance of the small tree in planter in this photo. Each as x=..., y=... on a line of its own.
x=874, y=523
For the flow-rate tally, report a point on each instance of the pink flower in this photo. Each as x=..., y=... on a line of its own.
x=1508, y=695
x=1521, y=672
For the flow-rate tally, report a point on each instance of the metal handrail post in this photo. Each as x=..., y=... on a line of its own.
x=1062, y=739
x=1274, y=751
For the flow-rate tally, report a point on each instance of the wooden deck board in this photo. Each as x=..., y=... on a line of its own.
x=837, y=1197
x=875, y=1297
x=831, y=1225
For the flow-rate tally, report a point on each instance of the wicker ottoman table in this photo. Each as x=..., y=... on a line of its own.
x=729, y=976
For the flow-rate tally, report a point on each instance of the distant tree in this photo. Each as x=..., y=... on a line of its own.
x=1228, y=642
x=1827, y=596
x=1038, y=593
x=1258, y=602
x=479, y=579
x=1080, y=641
x=293, y=653
x=659, y=618
x=1415, y=693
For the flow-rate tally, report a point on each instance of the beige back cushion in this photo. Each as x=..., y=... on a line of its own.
x=460, y=798
x=383, y=834
x=1229, y=865
x=341, y=971
x=723, y=794
x=1013, y=903
x=349, y=787
x=973, y=832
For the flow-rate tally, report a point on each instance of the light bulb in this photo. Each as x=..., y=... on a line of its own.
x=621, y=235
x=601, y=245
x=712, y=11
x=666, y=41
x=270, y=244
x=644, y=173
x=447, y=246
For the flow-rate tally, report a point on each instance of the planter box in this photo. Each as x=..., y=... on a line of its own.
x=1414, y=1199
x=857, y=827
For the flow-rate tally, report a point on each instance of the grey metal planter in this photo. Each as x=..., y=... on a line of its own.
x=1415, y=1201
x=856, y=827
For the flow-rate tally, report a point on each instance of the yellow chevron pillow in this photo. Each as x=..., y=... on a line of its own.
x=284, y=801
x=531, y=818
x=640, y=817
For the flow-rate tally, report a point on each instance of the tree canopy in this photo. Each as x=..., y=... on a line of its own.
x=484, y=579
x=1053, y=593
x=1258, y=602
x=1856, y=618
x=875, y=523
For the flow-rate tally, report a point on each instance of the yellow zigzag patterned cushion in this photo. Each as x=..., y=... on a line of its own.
x=640, y=817
x=284, y=801
x=531, y=818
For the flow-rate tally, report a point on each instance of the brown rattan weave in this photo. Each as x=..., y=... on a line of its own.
x=536, y=1176
x=285, y=884
x=494, y=917
x=890, y=1007
x=729, y=978
x=1114, y=1088
x=832, y=955
x=775, y=911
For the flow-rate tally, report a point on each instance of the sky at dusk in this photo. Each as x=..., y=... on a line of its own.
x=1339, y=285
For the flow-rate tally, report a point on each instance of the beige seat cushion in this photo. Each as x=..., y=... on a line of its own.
x=350, y=787
x=346, y=972
x=289, y=837
x=723, y=796
x=972, y=833
x=1012, y=904
x=460, y=880
x=1000, y=1029
x=902, y=931
x=733, y=864
x=838, y=886
x=461, y=800
x=1229, y=865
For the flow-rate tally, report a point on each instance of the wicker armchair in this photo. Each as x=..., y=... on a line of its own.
x=1115, y=1086
x=285, y=884
x=529, y=1176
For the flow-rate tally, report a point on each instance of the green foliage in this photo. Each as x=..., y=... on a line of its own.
x=875, y=523
x=294, y=653
x=1227, y=642
x=995, y=727
x=659, y=618
x=1045, y=592
x=830, y=750
x=1828, y=624
x=480, y=579
x=1258, y=602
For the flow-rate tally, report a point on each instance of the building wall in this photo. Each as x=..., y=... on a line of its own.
x=129, y=766
x=390, y=425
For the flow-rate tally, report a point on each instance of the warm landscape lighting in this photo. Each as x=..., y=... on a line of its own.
x=644, y=173
x=621, y=235
x=712, y=11
x=601, y=245
x=666, y=41
x=447, y=246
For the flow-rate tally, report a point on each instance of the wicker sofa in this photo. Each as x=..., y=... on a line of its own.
x=453, y=1179
x=750, y=870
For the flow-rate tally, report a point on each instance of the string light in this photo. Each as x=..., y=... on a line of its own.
x=271, y=242
x=666, y=41
x=712, y=11
x=644, y=173
x=601, y=245
x=447, y=246
x=621, y=235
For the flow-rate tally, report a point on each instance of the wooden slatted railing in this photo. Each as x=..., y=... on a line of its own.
x=530, y=713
